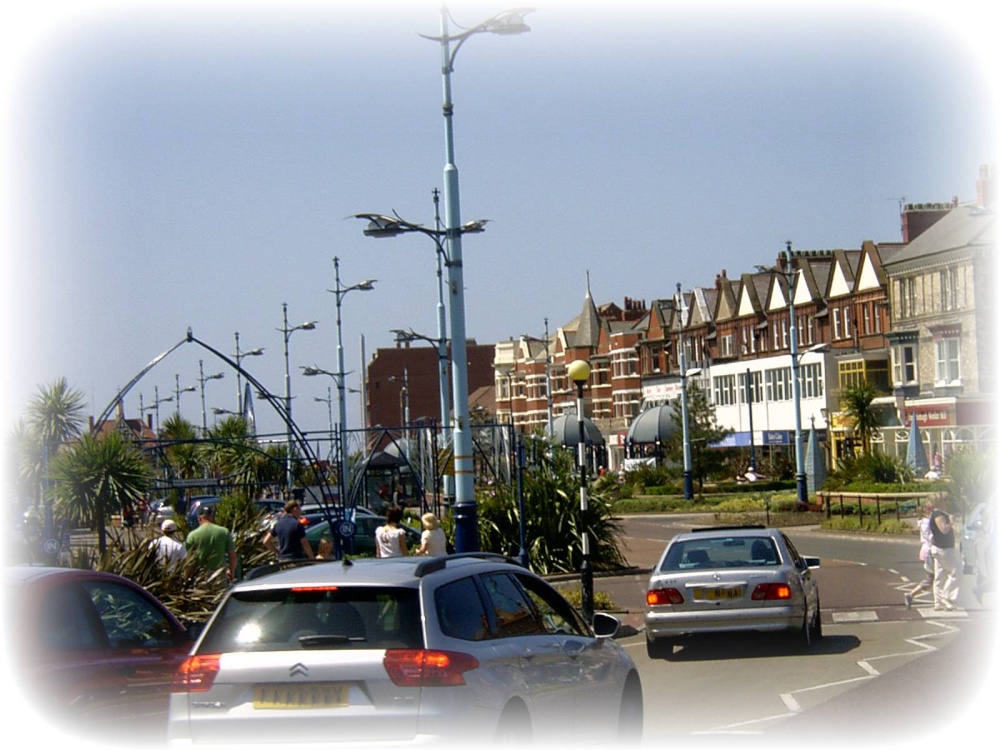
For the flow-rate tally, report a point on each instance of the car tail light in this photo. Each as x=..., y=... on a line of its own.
x=655, y=597
x=419, y=667
x=771, y=591
x=196, y=674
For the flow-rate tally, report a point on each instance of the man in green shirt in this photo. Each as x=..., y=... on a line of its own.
x=212, y=545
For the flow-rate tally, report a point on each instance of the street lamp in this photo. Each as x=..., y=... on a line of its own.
x=202, y=379
x=311, y=372
x=239, y=358
x=340, y=292
x=329, y=408
x=548, y=377
x=579, y=372
x=156, y=405
x=789, y=273
x=682, y=362
x=287, y=332
x=178, y=391
x=466, y=523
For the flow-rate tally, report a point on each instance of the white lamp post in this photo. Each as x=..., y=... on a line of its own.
x=579, y=372
x=287, y=333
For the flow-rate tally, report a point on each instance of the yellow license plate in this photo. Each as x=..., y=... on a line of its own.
x=717, y=594
x=307, y=695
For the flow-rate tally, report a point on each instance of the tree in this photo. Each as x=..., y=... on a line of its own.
x=230, y=451
x=95, y=476
x=856, y=403
x=703, y=432
x=182, y=451
x=54, y=417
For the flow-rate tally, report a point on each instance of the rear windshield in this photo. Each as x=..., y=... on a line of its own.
x=720, y=552
x=326, y=617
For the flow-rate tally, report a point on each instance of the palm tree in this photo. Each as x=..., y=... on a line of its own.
x=94, y=476
x=56, y=413
x=182, y=448
x=856, y=403
x=230, y=451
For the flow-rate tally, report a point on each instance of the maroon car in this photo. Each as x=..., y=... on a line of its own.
x=93, y=649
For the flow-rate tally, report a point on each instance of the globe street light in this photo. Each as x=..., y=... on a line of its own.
x=202, y=379
x=239, y=358
x=287, y=332
x=340, y=292
x=579, y=372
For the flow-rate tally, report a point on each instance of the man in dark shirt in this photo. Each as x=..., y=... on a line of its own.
x=288, y=536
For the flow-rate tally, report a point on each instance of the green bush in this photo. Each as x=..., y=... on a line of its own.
x=574, y=595
x=869, y=524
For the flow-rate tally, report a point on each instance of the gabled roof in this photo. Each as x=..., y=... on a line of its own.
x=968, y=227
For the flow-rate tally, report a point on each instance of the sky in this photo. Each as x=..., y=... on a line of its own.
x=172, y=165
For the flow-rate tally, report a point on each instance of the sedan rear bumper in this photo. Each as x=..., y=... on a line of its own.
x=767, y=619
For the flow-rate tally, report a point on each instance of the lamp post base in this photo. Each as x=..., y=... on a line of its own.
x=466, y=527
x=587, y=591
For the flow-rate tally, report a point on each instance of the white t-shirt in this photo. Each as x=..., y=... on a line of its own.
x=388, y=541
x=436, y=541
x=169, y=550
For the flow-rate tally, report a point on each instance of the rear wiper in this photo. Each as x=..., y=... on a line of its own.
x=320, y=641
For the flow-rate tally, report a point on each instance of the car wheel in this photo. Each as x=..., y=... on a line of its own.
x=817, y=633
x=514, y=728
x=659, y=648
x=805, y=632
x=630, y=714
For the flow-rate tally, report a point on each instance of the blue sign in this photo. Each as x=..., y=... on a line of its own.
x=776, y=437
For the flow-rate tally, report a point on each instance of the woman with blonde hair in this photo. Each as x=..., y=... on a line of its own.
x=432, y=539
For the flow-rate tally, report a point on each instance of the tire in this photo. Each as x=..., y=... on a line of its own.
x=630, y=715
x=817, y=633
x=659, y=648
x=514, y=727
x=805, y=632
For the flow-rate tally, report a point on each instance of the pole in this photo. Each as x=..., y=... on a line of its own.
x=548, y=382
x=239, y=379
x=345, y=479
x=801, y=496
x=579, y=372
x=466, y=513
x=201, y=381
x=442, y=347
x=749, y=392
x=288, y=404
x=685, y=434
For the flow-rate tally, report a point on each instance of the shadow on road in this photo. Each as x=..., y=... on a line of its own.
x=716, y=647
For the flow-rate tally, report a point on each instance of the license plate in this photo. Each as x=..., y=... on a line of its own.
x=716, y=594
x=306, y=695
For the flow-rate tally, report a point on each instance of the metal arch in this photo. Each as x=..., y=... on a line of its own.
x=273, y=400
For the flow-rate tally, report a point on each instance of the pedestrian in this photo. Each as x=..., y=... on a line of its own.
x=926, y=540
x=287, y=538
x=324, y=550
x=433, y=542
x=142, y=511
x=390, y=539
x=946, y=563
x=170, y=551
x=212, y=545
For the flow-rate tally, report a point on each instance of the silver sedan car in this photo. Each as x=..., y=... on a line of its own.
x=412, y=650
x=728, y=579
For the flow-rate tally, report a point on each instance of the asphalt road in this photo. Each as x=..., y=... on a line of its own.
x=883, y=675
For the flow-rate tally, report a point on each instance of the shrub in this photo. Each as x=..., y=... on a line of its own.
x=573, y=593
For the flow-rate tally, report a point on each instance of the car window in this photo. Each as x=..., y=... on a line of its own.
x=556, y=613
x=460, y=611
x=511, y=608
x=720, y=552
x=320, y=617
x=130, y=619
x=66, y=621
x=794, y=553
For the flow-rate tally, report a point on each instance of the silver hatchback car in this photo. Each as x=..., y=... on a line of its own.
x=727, y=579
x=411, y=650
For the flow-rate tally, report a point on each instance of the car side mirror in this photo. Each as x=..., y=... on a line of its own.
x=811, y=562
x=605, y=626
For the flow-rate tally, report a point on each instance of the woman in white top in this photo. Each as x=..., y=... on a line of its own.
x=432, y=540
x=390, y=540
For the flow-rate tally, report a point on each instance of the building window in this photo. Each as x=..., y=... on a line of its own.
x=778, y=384
x=904, y=364
x=756, y=388
x=811, y=380
x=727, y=345
x=949, y=289
x=724, y=387
x=847, y=322
x=907, y=298
x=866, y=320
x=946, y=355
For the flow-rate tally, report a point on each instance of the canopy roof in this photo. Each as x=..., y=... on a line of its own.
x=566, y=431
x=653, y=425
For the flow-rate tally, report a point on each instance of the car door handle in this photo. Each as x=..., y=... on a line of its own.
x=573, y=648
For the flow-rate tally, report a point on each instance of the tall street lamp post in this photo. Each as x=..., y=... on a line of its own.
x=202, y=379
x=340, y=292
x=239, y=359
x=178, y=391
x=287, y=333
x=329, y=408
x=579, y=372
x=156, y=405
x=682, y=362
x=310, y=372
x=466, y=522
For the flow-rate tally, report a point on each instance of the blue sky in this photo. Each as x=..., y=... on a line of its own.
x=171, y=165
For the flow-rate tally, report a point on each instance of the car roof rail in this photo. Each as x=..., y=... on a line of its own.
x=276, y=567
x=435, y=564
x=729, y=528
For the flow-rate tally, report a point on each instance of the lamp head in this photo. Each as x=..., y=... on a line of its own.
x=509, y=22
x=578, y=371
x=380, y=225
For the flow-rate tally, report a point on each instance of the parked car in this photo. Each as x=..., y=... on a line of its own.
x=727, y=579
x=404, y=651
x=94, y=651
x=363, y=541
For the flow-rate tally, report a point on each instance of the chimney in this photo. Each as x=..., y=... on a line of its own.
x=985, y=189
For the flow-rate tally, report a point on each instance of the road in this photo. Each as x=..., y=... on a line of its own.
x=869, y=681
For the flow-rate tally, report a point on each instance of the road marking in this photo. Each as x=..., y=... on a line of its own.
x=863, y=616
x=929, y=613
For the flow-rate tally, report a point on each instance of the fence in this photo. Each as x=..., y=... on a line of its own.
x=878, y=503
